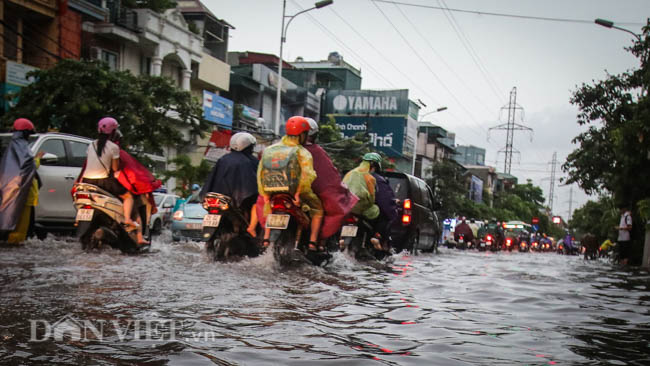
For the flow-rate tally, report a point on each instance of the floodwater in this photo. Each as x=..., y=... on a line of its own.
x=59, y=305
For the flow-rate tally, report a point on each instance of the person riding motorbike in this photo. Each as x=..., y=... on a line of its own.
x=235, y=175
x=195, y=195
x=364, y=185
x=465, y=230
x=336, y=198
x=386, y=201
x=102, y=167
x=19, y=184
x=287, y=167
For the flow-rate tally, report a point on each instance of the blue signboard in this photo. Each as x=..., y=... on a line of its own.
x=386, y=133
x=217, y=109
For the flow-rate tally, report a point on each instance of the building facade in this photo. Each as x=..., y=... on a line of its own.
x=470, y=155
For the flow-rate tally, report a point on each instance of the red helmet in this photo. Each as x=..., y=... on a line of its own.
x=23, y=124
x=297, y=125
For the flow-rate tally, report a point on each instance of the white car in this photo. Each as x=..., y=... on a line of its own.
x=64, y=156
x=165, y=203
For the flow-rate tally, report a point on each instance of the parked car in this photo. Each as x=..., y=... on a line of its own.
x=163, y=218
x=418, y=226
x=187, y=221
x=64, y=156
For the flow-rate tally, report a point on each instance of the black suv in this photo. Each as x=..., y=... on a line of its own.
x=417, y=226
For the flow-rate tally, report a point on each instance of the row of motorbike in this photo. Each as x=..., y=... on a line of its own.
x=491, y=243
x=100, y=221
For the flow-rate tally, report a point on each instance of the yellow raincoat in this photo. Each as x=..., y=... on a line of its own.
x=361, y=182
x=20, y=233
x=287, y=167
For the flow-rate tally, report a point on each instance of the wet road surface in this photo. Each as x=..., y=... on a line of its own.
x=59, y=305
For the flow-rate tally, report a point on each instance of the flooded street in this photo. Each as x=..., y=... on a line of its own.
x=175, y=307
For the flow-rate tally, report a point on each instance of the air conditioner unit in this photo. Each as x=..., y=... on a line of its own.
x=95, y=53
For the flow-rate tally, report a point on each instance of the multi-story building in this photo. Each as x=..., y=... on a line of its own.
x=433, y=146
x=333, y=73
x=470, y=155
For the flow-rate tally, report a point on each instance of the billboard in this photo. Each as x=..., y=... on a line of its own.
x=217, y=109
x=476, y=189
x=386, y=132
x=368, y=102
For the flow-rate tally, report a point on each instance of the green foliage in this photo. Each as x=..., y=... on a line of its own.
x=72, y=96
x=449, y=190
x=613, y=154
x=596, y=217
x=346, y=153
x=158, y=6
x=187, y=174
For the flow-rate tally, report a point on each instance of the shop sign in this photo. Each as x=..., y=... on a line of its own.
x=386, y=133
x=368, y=102
x=217, y=109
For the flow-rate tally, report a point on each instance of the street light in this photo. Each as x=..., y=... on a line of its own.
x=417, y=134
x=609, y=24
x=283, y=38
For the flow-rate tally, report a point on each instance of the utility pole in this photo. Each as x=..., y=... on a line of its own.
x=510, y=126
x=570, y=203
x=550, y=194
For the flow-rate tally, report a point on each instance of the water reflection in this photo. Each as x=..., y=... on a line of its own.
x=455, y=308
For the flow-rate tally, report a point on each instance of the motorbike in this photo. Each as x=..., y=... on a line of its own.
x=545, y=247
x=523, y=246
x=509, y=244
x=224, y=230
x=100, y=219
x=289, y=237
x=487, y=243
x=535, y=246
x=355, y=238
x=462, y=244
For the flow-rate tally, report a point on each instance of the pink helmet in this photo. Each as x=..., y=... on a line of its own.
x=107, y=125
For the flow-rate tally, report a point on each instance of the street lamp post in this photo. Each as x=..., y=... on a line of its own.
x=283, y=38
x=417, y=134
x=609, y=24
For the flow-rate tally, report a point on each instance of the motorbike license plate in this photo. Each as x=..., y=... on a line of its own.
x=349, y=231
x=482, y=245
x=275, y=221
x=461, y=240
x=85, y=214
x=211, y=220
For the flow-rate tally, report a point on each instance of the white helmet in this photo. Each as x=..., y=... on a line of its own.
x=313, y=126
x=242, y=140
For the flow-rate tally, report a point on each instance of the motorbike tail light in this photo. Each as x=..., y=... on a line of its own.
x=87, y=206
x=351, y=220
x=223, y=206
x=82, y=196
x=489, y=237
x=508, y=242
x=407, y=204
x=406, y=219
x=213, y=211
x=211, y=201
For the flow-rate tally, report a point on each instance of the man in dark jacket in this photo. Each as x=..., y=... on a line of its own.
x=235, y=175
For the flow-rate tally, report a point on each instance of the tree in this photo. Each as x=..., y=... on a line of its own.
x=158, y=6
x=72, y=96
x=614, y=153
x=596, y=217
x=449, y=189
x=346, y=153
x=187, y=174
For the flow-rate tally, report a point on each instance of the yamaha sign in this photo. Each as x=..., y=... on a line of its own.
x=360, y=102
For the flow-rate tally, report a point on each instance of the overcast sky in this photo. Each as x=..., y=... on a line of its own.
x=465, y=61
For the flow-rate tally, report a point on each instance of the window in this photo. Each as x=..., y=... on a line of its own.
x=424, y=194
x=110, y=58
x=145, y=65
x=77, y=153
x=54, y=146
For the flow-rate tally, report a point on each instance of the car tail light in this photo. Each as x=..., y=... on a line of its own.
x=178, y=215
x=406, y=219
x=407, y=204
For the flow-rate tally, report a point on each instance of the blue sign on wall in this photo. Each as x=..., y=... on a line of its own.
x=217, y=109
x=386, y=133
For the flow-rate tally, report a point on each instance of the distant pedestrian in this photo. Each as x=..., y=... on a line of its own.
x=624, y=242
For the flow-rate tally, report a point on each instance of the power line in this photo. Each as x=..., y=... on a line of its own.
x=442, y=59
x=427, y=65
x=472, y=53
x=510, y=126
x=342, y=44
x=478, y=12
